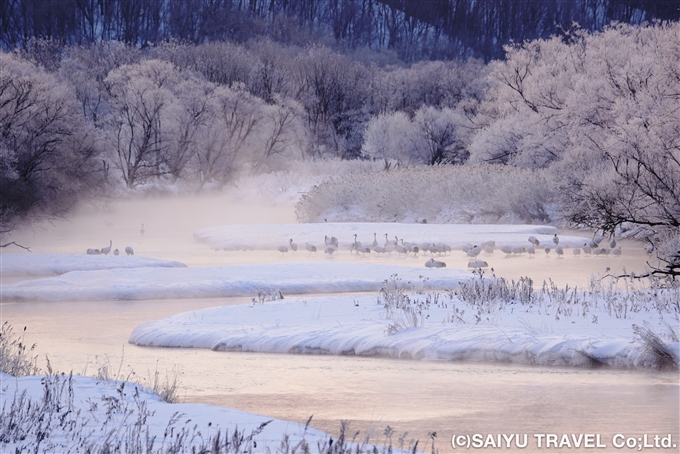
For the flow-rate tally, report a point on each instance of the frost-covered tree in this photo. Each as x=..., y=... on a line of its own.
x=142, y=121
x=332, y=88
x=433, y=136
x=391, y=137
x=220, y=62
x=271, y=74
x=282, y=136
x=442, y=135
x=437, y=83
x=602, y=111
x=85, y=69
x=226, y=136
x=48, y=152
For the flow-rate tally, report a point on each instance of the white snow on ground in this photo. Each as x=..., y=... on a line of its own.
x=358, y=325
x=270, y=236
x=87, y=413
x=222, y=281
x=51, y=264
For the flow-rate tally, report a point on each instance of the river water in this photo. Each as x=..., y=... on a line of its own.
x=409, y=396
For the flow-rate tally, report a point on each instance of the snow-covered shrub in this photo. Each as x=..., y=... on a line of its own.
x=398, y=308
x=662, y=355
x=453, y=194
x=166, y=388
x=480, y=292
x=16, y=358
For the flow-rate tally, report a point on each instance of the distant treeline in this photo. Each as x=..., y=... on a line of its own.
x=415, y=29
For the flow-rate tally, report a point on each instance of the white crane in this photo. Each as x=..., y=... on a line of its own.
x=310, y=247
x=107, y=249
x=283, y=249
x=356, y=245
x=444, y=247
x=432, y=263
x=129, y=250
x=477, y=264
x=364, y=249
x=400, y=247
x=474, y=252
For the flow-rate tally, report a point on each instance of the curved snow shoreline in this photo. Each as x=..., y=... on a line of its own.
x=357, y=326
x=51, y=264
x=223, y=281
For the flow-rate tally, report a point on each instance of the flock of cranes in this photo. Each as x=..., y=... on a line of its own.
x=594, y=247
x=397, y=245
x=107, y=249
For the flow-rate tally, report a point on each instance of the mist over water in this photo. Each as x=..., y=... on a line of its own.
x=168, y=223
x=409, y=396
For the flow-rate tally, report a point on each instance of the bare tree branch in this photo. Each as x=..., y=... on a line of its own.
x=16, y=244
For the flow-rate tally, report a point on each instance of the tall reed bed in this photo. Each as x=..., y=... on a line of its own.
x=453, y=194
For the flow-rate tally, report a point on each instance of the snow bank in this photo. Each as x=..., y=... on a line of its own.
x=270, y=236
x=349, y=325
x=223, y=281
x=51, y=264
x=104, y=414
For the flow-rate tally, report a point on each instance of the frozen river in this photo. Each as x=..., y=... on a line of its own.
x=409, y=396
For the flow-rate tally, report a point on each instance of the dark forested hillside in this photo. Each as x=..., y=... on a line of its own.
x=415, y=29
